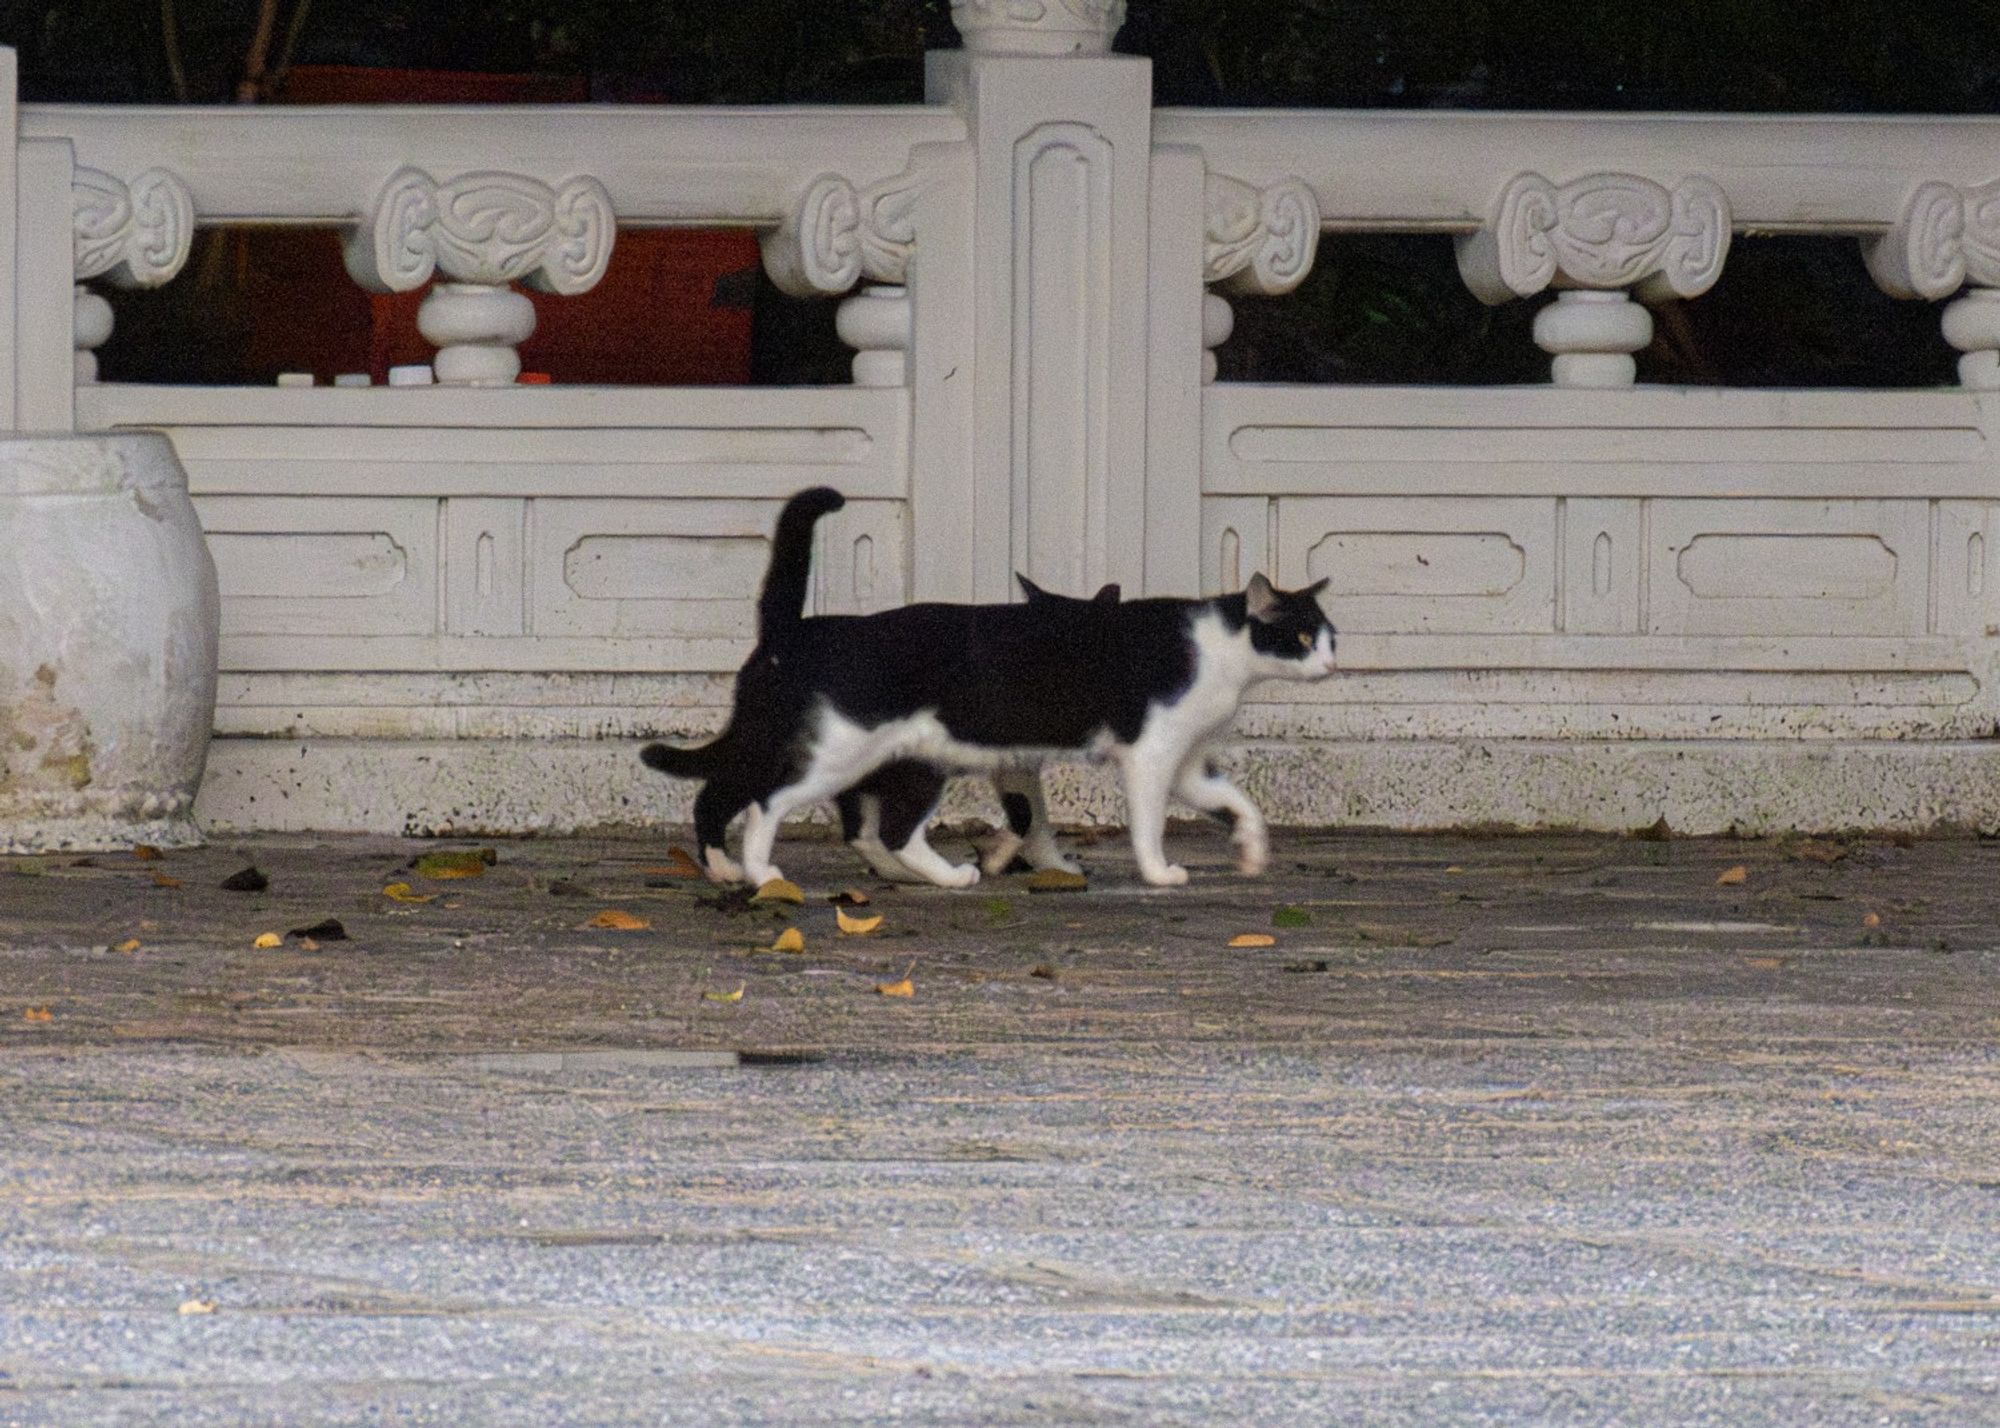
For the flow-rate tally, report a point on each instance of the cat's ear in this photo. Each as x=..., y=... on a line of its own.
x=1029, y=588
x=1107, y=596
x=1260, y=601
x=1311, y=592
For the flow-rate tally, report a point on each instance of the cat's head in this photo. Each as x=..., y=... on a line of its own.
x=1036, y=595
x=1289, y=631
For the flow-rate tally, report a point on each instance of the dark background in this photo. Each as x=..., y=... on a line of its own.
x=1787, y=311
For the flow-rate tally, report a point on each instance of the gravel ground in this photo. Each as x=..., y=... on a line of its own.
x=1507, y=1130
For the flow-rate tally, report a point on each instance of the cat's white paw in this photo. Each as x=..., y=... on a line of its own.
x=998, y=854
x=1172, y=875
x=1050, y=857
x=960, y=875
x=722, y=868
x=1253, y=853
x=769, y=873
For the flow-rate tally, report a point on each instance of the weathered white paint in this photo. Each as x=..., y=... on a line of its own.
x=1554, y=600
x=108, y=615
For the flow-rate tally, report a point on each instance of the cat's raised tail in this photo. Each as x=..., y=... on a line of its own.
x=780, y=607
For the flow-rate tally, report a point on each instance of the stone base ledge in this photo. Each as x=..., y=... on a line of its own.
x=565, y=786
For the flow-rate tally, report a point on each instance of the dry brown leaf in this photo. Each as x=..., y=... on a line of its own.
x=1873, y=919
x=1055, y=880
x=268, y=940
x=618, y=920
x=1766, y=964
x=1817, y=850
x=440, y=866
x=308, y=945
x=1732, y=877
x=735, y=996
x=904, y=988
x=147, y=853
x=1454, y=868
x=1253, y=939
x=856, y=926
x=161, y=880
x=197, y=1306
x=790, y=940
x=36, y=1014
x=779, y=890
x=853, y=897
x=403, y=892
x=678, y=865
x=130, y=944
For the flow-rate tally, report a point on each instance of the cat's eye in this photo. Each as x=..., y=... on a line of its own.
x=1305, y=640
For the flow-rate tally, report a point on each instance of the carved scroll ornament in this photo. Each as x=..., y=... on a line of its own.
x=1038, y=27
x=1260, y=241
x=492, y=228
x=137, y=234
x=1602, y=231
x=835, y=235
x=1946, y=237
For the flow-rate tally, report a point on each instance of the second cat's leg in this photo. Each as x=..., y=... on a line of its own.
x=1209, y=791
x=920, y=857
x=1038, y=839
x=1149, y=766
x=863, y=831
x=904, y=822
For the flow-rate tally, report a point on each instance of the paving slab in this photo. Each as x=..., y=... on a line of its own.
x=1494, y=1130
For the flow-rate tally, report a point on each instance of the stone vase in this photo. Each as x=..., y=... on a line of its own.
x=108, y=624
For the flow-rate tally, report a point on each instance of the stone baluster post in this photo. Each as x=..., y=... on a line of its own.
x=132, y=235
x=1949, y=237
x=1254, y=241
x=835, y=236
x=483, y=232
x=1597, y=238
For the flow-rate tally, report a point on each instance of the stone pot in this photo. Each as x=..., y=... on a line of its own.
x=108, y=624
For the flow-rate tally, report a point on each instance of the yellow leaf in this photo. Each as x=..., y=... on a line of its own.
x=735, y=996
x=1730, y=877
x=130, y=944
x=853, y=897
x=455, y=865
x=36, y=1014
x=618, y=920
x=679, y=865
x=197, y=1306
x=1873, y=919
x=161, y=880
x=146, y=853
x=904, y=988
x=779, y=890
x=856, y=926
x=1056, y=880
x=402, y=892
x=1253, y=939
x=790, y=940
x=1454, y=868
x=268, y=940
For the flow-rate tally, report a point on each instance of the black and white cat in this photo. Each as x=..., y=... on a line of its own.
x=823, y=704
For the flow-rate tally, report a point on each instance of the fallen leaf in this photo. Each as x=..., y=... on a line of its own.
x=1044, y=971
x=402, y=892
x=130, y=944
x=1454, y=868
x=1873, y=919
x=779, y=890
x=31, y=868
x=268, y=940
x=197, y=1306
x=1055, y=880
x=856, y=926
x=679, y=865
x=440, y=866
x=248, y=880
x=1817, y=850
x=618, y=920
x=853, y=897
x=904, y=988
x=998, y=909
x=147, y=853
x=36, y=1014
x=327, y=929
x=790, y=940
x=308, y=945
x=1767, y=964
x=1731, y=877
x=565, y=887
x=735, y=996
x=1291, y=917
x=1252, y=939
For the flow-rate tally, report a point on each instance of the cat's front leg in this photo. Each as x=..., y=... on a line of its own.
x=1030, y=834
x=1209, y=791
x=928, y=863
x=1148, y=771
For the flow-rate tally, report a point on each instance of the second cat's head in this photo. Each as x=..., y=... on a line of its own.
x=1288, y=629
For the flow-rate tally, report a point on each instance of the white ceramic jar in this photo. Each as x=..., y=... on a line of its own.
x=108, y=626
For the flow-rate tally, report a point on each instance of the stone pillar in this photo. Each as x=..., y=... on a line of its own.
x=1061, y=131
x=131, y=235
x=484, y=232
x=1949, y=237
x=1601, y=236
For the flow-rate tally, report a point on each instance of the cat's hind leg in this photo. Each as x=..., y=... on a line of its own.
x=1029, y=834
x=718, y=802
x=861, y=826
x=1207, y=790
x=906, y=814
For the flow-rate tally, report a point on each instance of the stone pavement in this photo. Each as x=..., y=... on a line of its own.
x=1551, y=1130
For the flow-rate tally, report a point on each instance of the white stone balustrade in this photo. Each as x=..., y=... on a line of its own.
x=1945, y=238
x=1254, y=241
x=132, y=235
x=484, y=231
